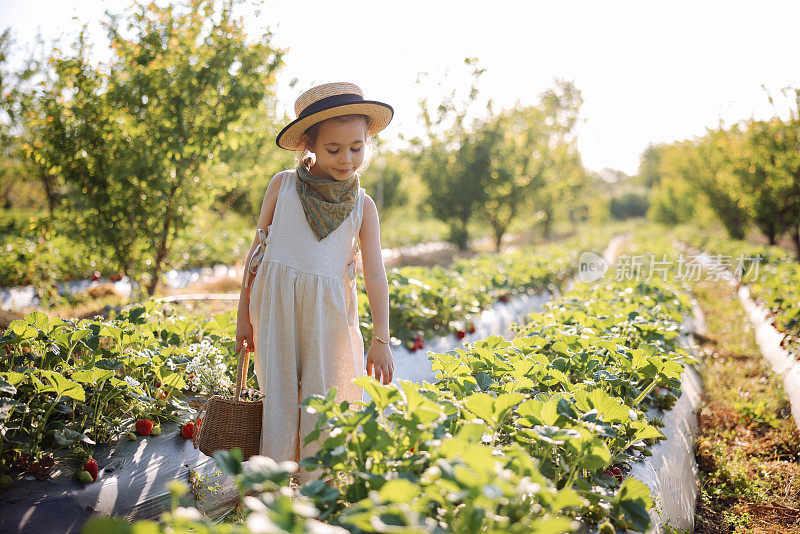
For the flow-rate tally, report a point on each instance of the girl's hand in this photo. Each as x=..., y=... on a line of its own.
x=244, y=333
x=380, y=362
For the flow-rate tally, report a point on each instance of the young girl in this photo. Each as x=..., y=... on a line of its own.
x=298, y=310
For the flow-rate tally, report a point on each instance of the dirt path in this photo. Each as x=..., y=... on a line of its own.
x=749, y=447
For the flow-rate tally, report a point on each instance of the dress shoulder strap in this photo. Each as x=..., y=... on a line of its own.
x=358, y=216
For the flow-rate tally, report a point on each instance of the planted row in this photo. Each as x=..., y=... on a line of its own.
x=773, y=278
x=514, y=436
x=73, y=384
x=437, y=301
x=569, y=395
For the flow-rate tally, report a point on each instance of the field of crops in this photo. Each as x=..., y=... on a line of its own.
x=549, y=421
x=771, y=273
x=536, y=433
x=440, y=300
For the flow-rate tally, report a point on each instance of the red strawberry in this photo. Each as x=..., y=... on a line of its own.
x=91, y=467
x=144, y=426
x=609, y=473
x=471, y=328
x=617, y=473
x=411, y=345
x=503, y=298
x=96, y=276
x=188, y=430
x=461, y=334
x=163, y=395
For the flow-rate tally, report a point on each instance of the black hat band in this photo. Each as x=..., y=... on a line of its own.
x=330, y=102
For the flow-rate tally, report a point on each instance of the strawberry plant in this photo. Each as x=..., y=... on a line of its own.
x=534, y=433
x=428, y=301
x=569, y=395
x=771, y=272
x=67, y=383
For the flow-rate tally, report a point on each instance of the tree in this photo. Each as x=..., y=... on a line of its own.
x=133, y=137
x=649, y=165
x=444, y=160
x=514, y=141
x=17, y=131
x=244, y=167
x=673, y=197
x=714, y=178
x=767, y=165
x=504, y=164
x=386, y=179
x=564, y=179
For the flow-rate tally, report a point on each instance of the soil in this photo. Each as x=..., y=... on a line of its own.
x=748, y=448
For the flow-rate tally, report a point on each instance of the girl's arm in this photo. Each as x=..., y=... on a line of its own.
x=244, y=328
x=379, y=356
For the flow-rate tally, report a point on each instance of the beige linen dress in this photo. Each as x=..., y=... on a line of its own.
x=304, y=312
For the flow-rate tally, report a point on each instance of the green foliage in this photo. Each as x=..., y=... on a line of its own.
x=514, y=436
x=133, y=138
x=628, y=205
x=504, y=164
x=767, y=165
x=42, y=250
x=557, y=405
x=63, y=383
x=387, y=180
x=443, y=162
x=746, y=174
x=439, y=300
x=770, y=272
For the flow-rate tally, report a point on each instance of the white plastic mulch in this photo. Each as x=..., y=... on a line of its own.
x=783, y=363
x=671, y=472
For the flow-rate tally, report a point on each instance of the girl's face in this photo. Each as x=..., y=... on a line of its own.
x=339, y=148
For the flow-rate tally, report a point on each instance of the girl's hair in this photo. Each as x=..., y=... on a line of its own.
x=306, y=157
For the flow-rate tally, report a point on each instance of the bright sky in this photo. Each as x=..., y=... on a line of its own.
x=648, y=71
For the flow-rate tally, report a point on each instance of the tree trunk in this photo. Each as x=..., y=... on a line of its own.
x=49, y=191
x=547, y=223
x=498, y=237
x=795, y=233
x=459, y=235
x=162, y=250
x=161, y=253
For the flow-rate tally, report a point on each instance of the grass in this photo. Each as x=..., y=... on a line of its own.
x=749, y=445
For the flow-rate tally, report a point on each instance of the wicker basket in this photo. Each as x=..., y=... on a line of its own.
x=230, y=423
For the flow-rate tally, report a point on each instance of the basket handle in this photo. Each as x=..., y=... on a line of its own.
x=241, y=371
x=198, y=425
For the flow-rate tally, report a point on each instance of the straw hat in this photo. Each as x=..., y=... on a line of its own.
x=332, y=100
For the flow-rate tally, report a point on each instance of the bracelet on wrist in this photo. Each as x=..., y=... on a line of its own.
x=380, y=339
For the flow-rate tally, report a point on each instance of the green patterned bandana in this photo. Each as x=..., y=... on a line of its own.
x=326, y=201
